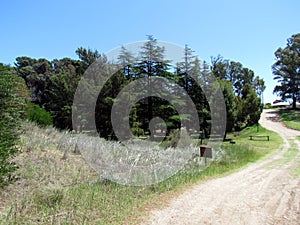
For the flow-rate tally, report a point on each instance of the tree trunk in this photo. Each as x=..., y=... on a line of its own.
x=294, y=102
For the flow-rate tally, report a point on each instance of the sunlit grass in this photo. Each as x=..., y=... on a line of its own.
x=290, y=157
x=57, y=187
x=293, y=155
x=291, y=118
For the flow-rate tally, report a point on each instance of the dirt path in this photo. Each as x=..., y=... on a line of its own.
x=258, y=194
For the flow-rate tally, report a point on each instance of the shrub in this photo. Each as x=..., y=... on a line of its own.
x=12, y=101
x=39, y=115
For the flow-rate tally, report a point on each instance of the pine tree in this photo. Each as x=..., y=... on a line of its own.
x=286, y=70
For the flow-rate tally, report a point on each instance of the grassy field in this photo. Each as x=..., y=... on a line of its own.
x=291, y=118
x=57, y=187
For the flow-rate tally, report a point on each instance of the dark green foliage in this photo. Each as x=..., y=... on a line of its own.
x=12, y=102
x=249, y=108
x=53, y=85
x=61, y=94
x=231, y=108
x=286, y=70
x=246, y=108
x=38, y=115
x=87, y=56
x=37, y=74
x=105, y=102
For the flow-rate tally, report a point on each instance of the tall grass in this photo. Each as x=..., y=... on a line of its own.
x=57, y=187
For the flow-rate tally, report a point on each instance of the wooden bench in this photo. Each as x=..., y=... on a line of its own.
x=256, y=136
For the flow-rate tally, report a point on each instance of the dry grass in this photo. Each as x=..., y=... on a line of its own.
x=56, y=186
x=45, y=169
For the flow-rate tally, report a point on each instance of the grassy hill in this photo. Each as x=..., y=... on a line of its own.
x=56, y=186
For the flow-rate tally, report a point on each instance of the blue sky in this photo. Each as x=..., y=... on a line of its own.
x=245, y=31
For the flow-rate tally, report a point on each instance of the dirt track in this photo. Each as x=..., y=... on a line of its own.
x=258, y=194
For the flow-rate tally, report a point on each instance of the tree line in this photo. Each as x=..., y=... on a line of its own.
x=52, y=85
x=42, y=91
x=286, y=70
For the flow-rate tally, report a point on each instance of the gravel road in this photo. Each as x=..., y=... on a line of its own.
x=262, y=193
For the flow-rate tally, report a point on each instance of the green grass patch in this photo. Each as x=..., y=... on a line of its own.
x=261, y=144
x=292, y=152
x=291, y=118
x=105, y=202
x=297, y=170
x=293, y=155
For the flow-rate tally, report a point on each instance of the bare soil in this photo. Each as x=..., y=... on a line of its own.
x=263, y=193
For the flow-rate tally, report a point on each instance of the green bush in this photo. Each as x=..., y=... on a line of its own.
x=39, y=115
x=268, y=106
x=12, y=101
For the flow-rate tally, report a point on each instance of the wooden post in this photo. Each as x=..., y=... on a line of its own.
x=205, y=152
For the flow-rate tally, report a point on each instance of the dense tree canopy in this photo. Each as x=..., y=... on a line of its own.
x=53, y=84
x=248, y=90
x=286, y=70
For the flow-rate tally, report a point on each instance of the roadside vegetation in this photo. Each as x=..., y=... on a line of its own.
x=13, y=93
x=291, y=118
x=55, y=185
x=290, y=157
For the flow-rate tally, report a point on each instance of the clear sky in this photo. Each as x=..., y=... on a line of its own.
x=245, y=31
